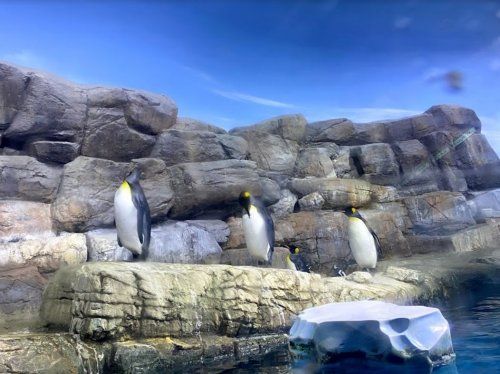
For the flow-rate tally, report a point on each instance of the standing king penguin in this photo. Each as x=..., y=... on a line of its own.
x=258, y=226
x=363, y=241
x=132, y=216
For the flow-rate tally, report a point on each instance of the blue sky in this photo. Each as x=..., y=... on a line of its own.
x=237, y=62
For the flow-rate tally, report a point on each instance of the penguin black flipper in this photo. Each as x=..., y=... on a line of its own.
x=377, y=242
x=375, y=237
x=143, y=218
x=269, y=227
x=300, y=263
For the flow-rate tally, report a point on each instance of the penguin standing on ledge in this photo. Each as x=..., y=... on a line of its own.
x=258, y=226
x=132, y=216
x=295, y=261
x=363, y=241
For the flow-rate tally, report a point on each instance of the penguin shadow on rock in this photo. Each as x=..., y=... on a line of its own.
x=132, y=216
x=258, y=228
x=363, y=241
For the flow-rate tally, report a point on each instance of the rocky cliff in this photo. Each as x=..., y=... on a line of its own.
x=426, y=184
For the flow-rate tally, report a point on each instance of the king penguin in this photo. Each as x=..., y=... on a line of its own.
x=295, y=261
x=258, y=226
x=132, y=216
x=363, y=241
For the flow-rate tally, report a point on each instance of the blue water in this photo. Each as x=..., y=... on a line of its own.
x=474, y=317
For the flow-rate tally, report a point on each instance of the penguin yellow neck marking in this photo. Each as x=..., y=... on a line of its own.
x=125, y=187
x=253, y=209
x=354, y=219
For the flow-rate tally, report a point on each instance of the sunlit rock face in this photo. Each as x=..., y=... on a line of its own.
x=374, y=329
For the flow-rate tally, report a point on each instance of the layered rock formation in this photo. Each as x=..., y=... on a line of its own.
x=425, y=183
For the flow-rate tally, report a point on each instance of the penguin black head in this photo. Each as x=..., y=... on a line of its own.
x=245, y=201
x=294, y=250
x=351, y=212
x=134, y=176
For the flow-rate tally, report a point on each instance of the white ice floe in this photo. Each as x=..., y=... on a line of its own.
x=373, y=328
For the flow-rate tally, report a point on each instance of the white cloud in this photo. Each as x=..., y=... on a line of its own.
x=363, y=114
x=199, y=74
x=242, y=97
x=24, y=58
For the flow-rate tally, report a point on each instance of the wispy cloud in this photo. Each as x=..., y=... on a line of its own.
x=200, y=74
x=24, y=58
x=363, y=114
x=243, y=97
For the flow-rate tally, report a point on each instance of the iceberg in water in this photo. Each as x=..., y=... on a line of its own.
x=373, y=329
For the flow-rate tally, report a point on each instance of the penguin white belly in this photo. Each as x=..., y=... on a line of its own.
x=126, y=220
x=362, y=244
x=290, y=265
x=254, y=227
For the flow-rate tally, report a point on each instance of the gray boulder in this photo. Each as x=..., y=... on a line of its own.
x=47, y=107
x=108, y=135
x=485, y=204
x=171, y=242
x=175, y=147
x=401, y=129
x=376, y=163
x=190, y=124
x=343, y=164
x=337, y=193
x=417, y=164
x=312, y=201
x=270, y=152
x=12, y=87
x=314, y=162
x=180, y=242
x=217, y=228
x=102, y=245
x=439, y=212
x=85, y=197
x=453, y=179
x=392, y=240
x=20, y=297
x=454, y=116
x=374, y=132
x=52, y=151
x=24, y=220
x=340, y=131
x=290, y=127
x=440, y=145
x=205, y=186
x=145, y=112
x=321, y=236
x=422, y=124
x=25, y=178
x=47, y=254
x=148, y=112
x=475, y=151
x=285, y=204
x=475, y=156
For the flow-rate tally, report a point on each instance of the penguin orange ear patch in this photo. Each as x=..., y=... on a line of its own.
x=353, y=210
x=246, y=194
x=297, y=250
